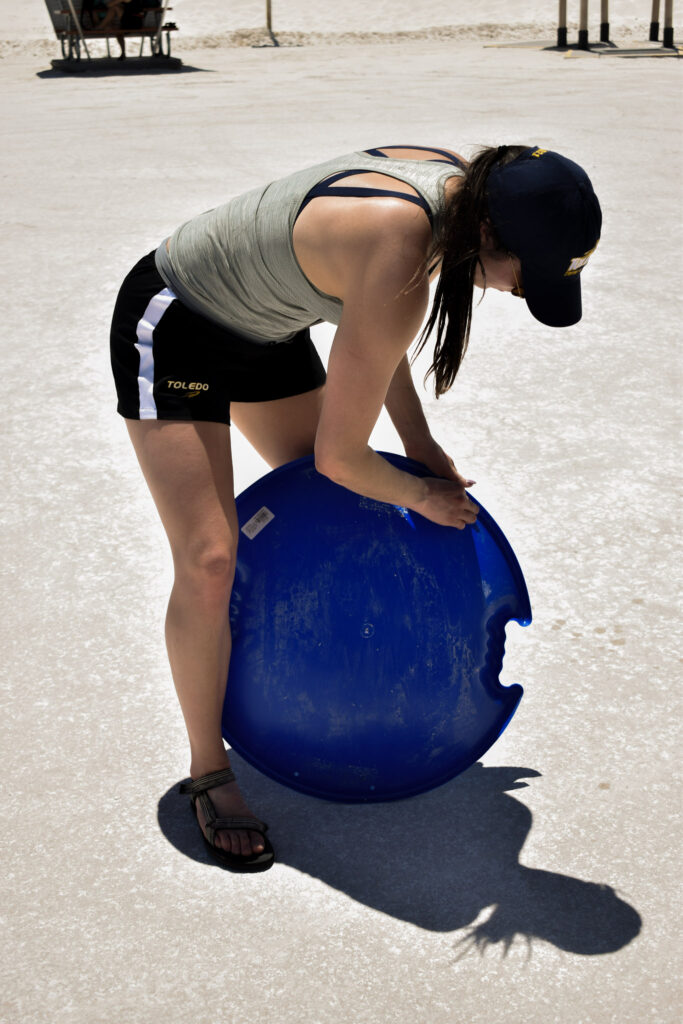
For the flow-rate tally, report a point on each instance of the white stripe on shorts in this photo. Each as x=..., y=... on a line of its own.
x=158, y=305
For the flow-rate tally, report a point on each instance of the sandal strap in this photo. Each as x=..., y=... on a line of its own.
x=252, y=824
x=210, y=781
x=213, y=824
x=198, y=792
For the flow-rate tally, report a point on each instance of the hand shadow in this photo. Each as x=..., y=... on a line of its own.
x=436, y=860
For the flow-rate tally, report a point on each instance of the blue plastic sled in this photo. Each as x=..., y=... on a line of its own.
x=367, y=641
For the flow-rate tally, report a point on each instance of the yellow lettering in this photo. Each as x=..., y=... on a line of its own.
x=579, y=262
x=182, y=385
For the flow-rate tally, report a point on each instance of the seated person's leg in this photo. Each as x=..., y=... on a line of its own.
x=112, y=14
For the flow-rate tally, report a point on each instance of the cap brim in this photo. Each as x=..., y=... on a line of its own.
x=556, y=303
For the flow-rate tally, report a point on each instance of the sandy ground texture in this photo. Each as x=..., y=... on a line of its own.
x=204, y=17
x=541, y=886
x=25, y=27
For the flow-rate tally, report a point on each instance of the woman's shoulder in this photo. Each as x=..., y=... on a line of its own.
x=458, y=158
x=414, y=152
x=463, y=161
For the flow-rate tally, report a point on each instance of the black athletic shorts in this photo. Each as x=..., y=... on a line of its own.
x=170, y=363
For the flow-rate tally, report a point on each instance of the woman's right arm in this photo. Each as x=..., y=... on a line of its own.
x=380, y=319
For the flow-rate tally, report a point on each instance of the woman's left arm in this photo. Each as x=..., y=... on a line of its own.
x=405, y=409
x=406, y=413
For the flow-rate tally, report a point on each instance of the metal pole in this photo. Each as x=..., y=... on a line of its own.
x=562, y=25
x=269, y=23
x=77, y=23
x=162, y=18
x=654, y=22
x=583, y=26
x=604, y=21
x=668, y=38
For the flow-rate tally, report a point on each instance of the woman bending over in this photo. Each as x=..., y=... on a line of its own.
x=213, y=328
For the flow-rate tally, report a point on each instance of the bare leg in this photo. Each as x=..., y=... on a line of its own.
x=188, y=468
x=114, y=9
x=281, y=430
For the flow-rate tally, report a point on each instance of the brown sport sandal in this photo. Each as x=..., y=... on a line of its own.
x=233, y=861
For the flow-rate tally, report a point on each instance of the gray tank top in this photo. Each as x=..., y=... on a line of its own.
x=236, y=265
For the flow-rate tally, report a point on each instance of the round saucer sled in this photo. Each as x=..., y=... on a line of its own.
x=367, y=640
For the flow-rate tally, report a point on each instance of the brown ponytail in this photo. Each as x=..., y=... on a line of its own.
x=458, y=247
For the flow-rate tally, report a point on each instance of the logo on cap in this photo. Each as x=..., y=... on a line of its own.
x=579, y=262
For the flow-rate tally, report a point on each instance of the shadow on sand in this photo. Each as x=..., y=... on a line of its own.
x=436, y=860
x=102, y=67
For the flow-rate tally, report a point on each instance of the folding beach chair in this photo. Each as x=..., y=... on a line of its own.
x=75, y=22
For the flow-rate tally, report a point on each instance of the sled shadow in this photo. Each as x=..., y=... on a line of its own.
x=436, y=860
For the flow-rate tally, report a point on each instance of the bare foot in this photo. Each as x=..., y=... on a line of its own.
x=229, y=802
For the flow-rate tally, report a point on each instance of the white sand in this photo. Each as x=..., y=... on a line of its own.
x=222, y=23
x=381, y=15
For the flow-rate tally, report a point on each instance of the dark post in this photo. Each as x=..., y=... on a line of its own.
x=654, y=22
x=604, y=21
x=562, y=25
x=668, y=39
x=269, y=23
x=583, y=25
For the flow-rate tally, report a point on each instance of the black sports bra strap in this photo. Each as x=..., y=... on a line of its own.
x=449, y=158
x=359, y=192
x=326, y=187
x=338, y=176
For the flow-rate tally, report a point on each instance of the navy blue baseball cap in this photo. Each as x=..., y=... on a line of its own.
x=544, y=211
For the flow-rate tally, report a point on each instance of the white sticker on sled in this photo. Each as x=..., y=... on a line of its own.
x=257, y=522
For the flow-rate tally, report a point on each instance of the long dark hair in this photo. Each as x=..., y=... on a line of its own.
x=457, y=245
